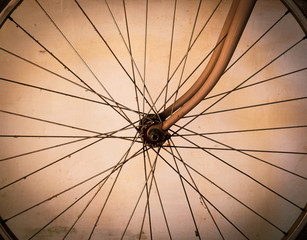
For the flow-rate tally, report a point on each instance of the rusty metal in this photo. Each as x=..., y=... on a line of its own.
x=151, y=132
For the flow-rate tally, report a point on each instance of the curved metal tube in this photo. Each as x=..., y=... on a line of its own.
x=237, y=25
x=209, y=67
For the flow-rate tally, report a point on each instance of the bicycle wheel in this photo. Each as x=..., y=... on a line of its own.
x=79, y=77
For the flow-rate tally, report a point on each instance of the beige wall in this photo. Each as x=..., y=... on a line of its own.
x=102, y=119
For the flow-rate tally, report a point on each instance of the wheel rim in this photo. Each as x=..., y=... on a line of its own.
x=263, y=122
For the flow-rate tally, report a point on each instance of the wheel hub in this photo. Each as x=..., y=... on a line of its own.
x=151, y=132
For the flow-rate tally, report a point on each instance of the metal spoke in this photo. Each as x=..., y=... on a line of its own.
x=63, y=144
x=262, y=36
x=56, y=161
x=170, y=56
x=118, y=105
x=82, y=196
x=140, y=195
x=242, y=172
x=112, y=187
x=194, y=183
x=247, y=154
x=245, y=107
x=185, y=194
x=158, y=193
x=133, y=63
x=145, y=55
x=251, y=46
x=49, y=165
x=66, y=79
x=186, y=57
x=55, y=123
x=40, y=150
x=49, y=122
x=182, y=177
x=45, y=69
x=241, y=131
x=87, y=66
x=223, y=190
x=239, y=85
x=72, y=187
x=240, y=149
x=147, y=196
x=132, y=59
x=105, y=202
x=256, y=83
x=114, y=55
x=65, y=66
x=66, y=136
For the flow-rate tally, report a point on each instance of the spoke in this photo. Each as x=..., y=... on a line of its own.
x=50, y=164
x=63, y=144
x=85, y=208
x=145, y=55
x=114, y=55
x=194, y=183
x=118, y=105
x=49, y=122
x=186, y=195
x=182, y=177
x=58, y=160
x=260, y=82
x=132, y=59
x=141, y=194
x=247, y=154
x=223, y=190
x=58, y=194
x=105, y=202
x=186, y=57
x=245, y=107
x=244, y=173
x=74, y=186
x=64, y=78
x=170, y=56
x=243, y=150
x=58, y=136
x=42, y=149
x=62, y=192
x=45, y=69
x=65, y=66
x=71, y=205
x=61, y=124
x=247, y=50
x=242, y=131
x=159, y=196
x=265, y=66
x=128, y=48
x=134, y=65
x=147, y=195
x=87, y=66
x=112, y=187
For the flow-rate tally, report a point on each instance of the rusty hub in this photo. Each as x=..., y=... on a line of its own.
x=151, y=132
